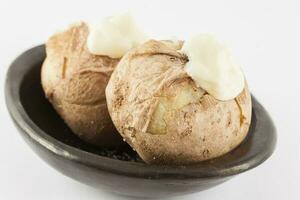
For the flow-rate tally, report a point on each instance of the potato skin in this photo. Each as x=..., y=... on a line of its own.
x=74, y=81
x=151, y=79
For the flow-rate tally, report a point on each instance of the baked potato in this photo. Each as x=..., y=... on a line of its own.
x=74, y=81
x=164, y=116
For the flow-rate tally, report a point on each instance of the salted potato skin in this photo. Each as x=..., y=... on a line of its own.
x=164, y=116
x=74, y=81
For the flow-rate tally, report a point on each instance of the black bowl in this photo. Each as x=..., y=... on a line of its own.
x=119, y=170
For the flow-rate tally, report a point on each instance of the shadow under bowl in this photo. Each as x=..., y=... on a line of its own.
x=119, y=170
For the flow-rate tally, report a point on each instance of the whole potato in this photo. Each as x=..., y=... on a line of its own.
x=164, y=116
x=74, y=81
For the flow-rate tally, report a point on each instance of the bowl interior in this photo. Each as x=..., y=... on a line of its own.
x=27, y=105
x=41, y=112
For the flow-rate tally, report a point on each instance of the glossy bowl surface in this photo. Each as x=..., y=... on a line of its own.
x=119, y=170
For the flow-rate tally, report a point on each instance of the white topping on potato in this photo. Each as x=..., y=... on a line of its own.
x=114, y=36
x=213, y=67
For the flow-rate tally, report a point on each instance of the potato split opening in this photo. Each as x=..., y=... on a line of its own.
x=169, y=103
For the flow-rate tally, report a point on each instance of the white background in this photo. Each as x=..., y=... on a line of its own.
x=265, y=36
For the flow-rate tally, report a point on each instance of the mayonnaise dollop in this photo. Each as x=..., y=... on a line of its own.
x=114, y=36
x=213, y=67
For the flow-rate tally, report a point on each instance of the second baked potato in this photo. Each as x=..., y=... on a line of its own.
x=74, y=81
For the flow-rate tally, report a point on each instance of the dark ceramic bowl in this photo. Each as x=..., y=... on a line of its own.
x=119, y=170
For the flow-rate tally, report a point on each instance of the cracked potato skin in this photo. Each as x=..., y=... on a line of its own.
x=74, y=81
x=161, y=113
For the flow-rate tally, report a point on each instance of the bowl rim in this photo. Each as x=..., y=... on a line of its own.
x=125, y=168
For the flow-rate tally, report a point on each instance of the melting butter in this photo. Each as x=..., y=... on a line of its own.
x=114, y=36
x=213, y=67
